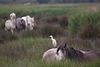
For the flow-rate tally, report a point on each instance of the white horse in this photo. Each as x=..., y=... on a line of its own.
x=10, y=24
x=51, y=55
x=32, y=23
x=29, y=22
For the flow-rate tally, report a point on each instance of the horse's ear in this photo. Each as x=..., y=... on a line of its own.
x=65, y=45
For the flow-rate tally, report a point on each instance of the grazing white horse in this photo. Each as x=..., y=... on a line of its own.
x=10, y=24
x=50, y=55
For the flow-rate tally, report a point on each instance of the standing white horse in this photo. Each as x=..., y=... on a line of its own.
x=29, y=22
x=10, y=24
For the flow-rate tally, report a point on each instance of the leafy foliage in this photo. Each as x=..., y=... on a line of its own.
x=63, y=21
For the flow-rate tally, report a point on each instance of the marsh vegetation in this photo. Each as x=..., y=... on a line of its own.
x=76, y=24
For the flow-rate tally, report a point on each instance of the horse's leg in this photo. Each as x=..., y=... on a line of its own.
x=6, y=30
x=12, y=31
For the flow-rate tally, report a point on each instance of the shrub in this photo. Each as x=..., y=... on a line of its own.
x=89, y=31
x=14, y=51
x=4, y=36
x=32, y=33
x=47, y=18
x=2, y=24
x=63, y=21
x=37, y=19
x=48, y=29
x=80, y=20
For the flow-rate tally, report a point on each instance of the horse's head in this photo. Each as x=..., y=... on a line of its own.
x=62, y=48
x=69, y=51
x=28, y=20
x=12, y=16
x=23, y=23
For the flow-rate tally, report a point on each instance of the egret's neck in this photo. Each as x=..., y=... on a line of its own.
x=51, y=38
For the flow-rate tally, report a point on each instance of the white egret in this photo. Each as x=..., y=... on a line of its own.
x=54, y=42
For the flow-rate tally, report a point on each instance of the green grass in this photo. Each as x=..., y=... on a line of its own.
x=30, y=41
x=54, y=9
x=38, y=63
x=27, y=52
x=33, y=57
x=78, y=21
x=24, y=10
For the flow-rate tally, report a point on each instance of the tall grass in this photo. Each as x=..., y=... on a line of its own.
x=18, y=54
x=82, y=20
x=27, y=49
x=68, y=63
x=21, y=10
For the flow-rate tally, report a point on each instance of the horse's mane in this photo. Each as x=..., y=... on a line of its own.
x=74, y=53
x=61, y=47
x=70, y=52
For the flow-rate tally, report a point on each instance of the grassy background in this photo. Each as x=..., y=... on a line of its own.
x=28, y=53
x=26, y=49
x=54, y=9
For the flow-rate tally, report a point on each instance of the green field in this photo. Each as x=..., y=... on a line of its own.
x=28, y=53
x=55, y=9
x=26, y=49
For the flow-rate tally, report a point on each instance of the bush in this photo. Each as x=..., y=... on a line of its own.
x=63, y=21
x=80, y=20
x=32, y=33
x=47, y=18
x=14, y=51
x=4, y=36
x=2, y=23
x=48, y=29
x=89, y=31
